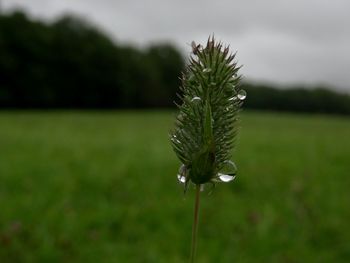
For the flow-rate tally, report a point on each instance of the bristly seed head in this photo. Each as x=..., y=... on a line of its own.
x=206, y=126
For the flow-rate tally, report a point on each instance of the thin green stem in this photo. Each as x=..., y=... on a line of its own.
x=195, y=224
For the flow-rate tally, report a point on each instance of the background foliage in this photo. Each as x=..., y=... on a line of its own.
x=102, y=187
x=71, y=64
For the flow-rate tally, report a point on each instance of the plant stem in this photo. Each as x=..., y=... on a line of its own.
x=195, y=224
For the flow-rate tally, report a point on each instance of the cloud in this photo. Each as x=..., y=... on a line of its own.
x=277, y=40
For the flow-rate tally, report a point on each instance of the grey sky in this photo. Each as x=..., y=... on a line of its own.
x=299, y=41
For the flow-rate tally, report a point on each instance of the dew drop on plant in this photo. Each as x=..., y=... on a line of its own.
x=207, y=70
x=228, y=172
x=196, y=99
x=226, y=178
x=229, y=168
x=181, y=178
x=242, y=94
x=181, y=175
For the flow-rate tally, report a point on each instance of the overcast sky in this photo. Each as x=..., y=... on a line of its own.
x=288, y=42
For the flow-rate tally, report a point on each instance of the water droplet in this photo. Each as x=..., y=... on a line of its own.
x=207, y=70
x=242, y=94
x=226, y=178
x=181, y=176
x=228, y=172
x=196, y=99
x=229, y=168
x=233, y=98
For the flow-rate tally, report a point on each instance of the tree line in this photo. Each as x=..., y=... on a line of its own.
x=69, y=63
x=296, y=99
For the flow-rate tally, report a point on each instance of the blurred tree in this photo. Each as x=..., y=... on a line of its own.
x=83, y=66
x=71, y=64
x=23, y=54
x=167, y=65
x=297, y=99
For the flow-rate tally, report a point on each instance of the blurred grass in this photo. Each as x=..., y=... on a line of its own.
x=101, y=187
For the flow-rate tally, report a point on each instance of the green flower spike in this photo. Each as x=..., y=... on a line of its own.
x=206, y=126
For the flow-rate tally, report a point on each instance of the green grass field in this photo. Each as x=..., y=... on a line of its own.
x=102, y=187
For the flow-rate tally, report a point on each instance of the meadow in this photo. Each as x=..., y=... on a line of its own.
x=101, y=187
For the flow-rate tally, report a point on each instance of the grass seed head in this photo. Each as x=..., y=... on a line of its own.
x=207, y=123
